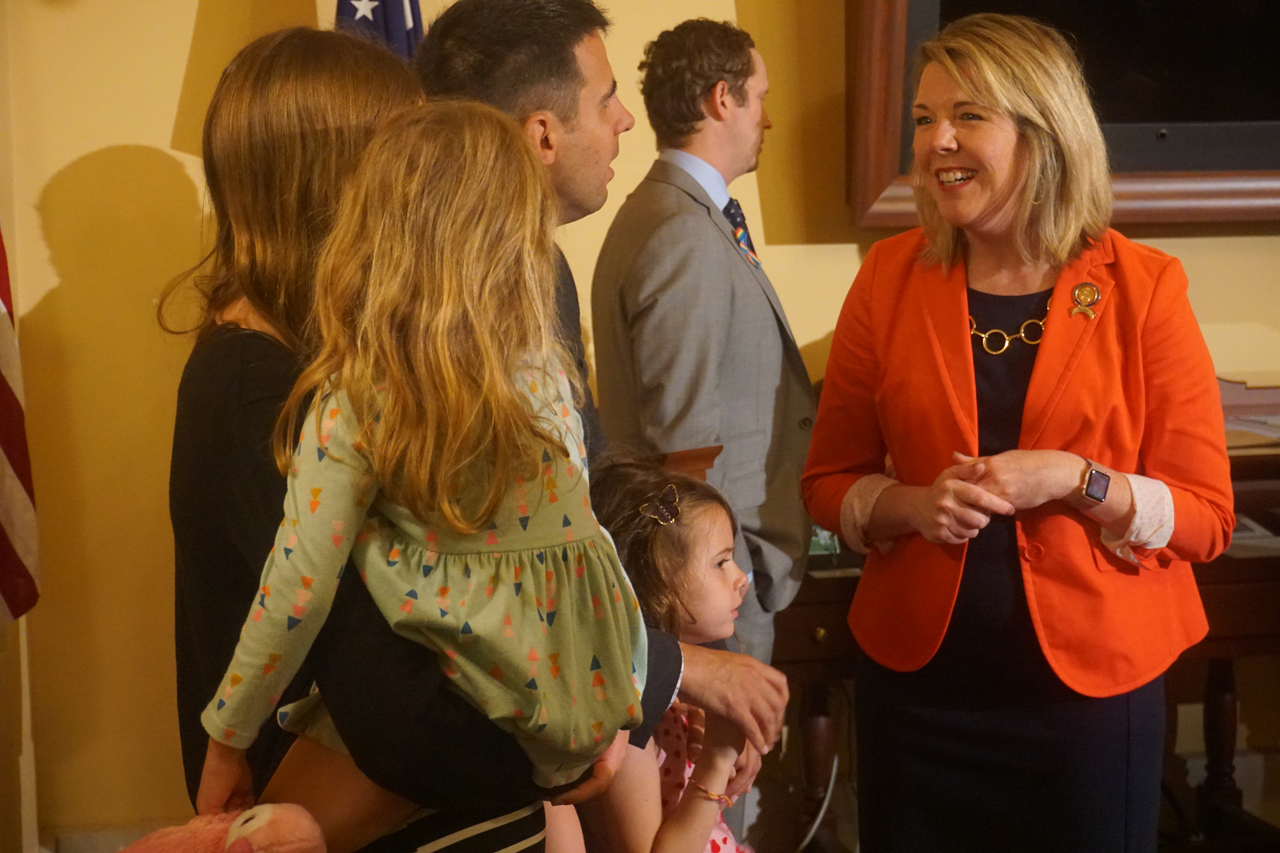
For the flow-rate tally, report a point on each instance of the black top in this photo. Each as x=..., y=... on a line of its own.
x=225, y=498
x=984, y=747
x=990, y=655
x=570, y=316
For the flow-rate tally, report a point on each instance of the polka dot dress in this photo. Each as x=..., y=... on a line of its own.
x=674, y=770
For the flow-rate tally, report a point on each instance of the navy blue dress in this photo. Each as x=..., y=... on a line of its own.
x=984, y=748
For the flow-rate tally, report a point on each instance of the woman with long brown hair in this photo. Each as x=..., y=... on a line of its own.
x=286, y=126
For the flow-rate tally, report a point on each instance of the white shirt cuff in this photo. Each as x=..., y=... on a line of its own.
x=855, y=512
x=1152, y=524
x=675, y=693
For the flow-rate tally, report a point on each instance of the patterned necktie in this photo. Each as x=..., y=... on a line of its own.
x=733, y=212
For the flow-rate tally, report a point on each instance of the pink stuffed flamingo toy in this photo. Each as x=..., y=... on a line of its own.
x=282, y=828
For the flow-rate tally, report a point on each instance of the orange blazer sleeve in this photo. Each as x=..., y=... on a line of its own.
x=1184, y=440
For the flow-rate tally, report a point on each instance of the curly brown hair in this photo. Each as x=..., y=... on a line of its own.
x=681, y=67
x=654, y=555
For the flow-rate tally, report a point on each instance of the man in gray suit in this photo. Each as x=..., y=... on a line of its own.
x=692, y=346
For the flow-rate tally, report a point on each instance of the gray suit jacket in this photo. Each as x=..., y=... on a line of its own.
x=693, y=349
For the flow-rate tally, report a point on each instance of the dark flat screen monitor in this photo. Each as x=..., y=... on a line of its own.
x=1179, y=85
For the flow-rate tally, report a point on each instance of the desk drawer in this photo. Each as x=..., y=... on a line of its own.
x=813, y=632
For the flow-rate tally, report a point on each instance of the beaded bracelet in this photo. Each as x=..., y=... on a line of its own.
x=724, y=801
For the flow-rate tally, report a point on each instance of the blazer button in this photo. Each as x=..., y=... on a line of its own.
x=806, y=423
x=1033, y=552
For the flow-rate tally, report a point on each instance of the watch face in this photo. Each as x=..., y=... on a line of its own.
x=1095, y=488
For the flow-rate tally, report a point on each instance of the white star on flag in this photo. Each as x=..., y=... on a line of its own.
x=364, y=8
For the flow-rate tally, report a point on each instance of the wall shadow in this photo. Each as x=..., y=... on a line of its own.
x=222, y=28
x=101, y=382
x=815, y=355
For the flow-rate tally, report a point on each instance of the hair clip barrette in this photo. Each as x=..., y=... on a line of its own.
x=666, y=508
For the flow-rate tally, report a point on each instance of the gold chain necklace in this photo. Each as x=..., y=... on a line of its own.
x=1005, y=337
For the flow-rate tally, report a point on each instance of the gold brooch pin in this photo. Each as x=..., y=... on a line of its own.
x=1085, y=296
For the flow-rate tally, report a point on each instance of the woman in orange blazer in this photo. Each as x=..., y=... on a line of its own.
x=1020, y=423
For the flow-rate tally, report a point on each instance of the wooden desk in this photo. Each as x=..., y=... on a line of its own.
x=1241, y=597
x=813, y=646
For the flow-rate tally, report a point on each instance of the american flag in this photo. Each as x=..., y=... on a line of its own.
x=18, y=542
x=398, y=23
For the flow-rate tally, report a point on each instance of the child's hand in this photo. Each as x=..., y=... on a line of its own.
x=226, y=785
x=745, y=770
x=751, y=694
x=697, y=729
x=747, y=762
x=723, y=741
x=722, y=735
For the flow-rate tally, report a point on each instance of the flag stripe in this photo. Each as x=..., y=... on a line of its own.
x=18, y=517
x=17, y=586
x=13, y=439
x=6, y=296
x=19, y=543
x=10, y=365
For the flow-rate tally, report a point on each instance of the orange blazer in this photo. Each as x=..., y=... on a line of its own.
x=1132, y=387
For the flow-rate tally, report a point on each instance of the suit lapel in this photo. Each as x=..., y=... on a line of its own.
x=946, y=326
x=1066, y=337
x=666, y=173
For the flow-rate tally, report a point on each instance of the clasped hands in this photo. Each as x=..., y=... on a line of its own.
x=963, y=497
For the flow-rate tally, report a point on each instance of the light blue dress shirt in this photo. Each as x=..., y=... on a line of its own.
x=702, y=172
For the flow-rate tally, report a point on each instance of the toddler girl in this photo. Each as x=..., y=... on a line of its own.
x=443, y=452
x=675, y=535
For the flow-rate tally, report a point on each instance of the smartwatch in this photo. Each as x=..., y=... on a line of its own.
x=1094, y=484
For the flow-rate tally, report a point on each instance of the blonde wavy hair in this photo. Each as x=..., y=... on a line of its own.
x=435, y=288
x=1028, y=72
x=285, y=127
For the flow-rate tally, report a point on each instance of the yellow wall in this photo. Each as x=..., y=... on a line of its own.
x=104, y=212
x=107, y=206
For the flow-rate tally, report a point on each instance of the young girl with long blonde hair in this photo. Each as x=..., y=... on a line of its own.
x=441, y=449
x=676, y=536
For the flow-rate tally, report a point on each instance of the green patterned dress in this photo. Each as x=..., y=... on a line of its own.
x=533, y=617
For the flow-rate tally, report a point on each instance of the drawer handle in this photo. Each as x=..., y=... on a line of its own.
x=819, y=635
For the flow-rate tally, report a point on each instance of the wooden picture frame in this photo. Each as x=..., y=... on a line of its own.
x=880, y=195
